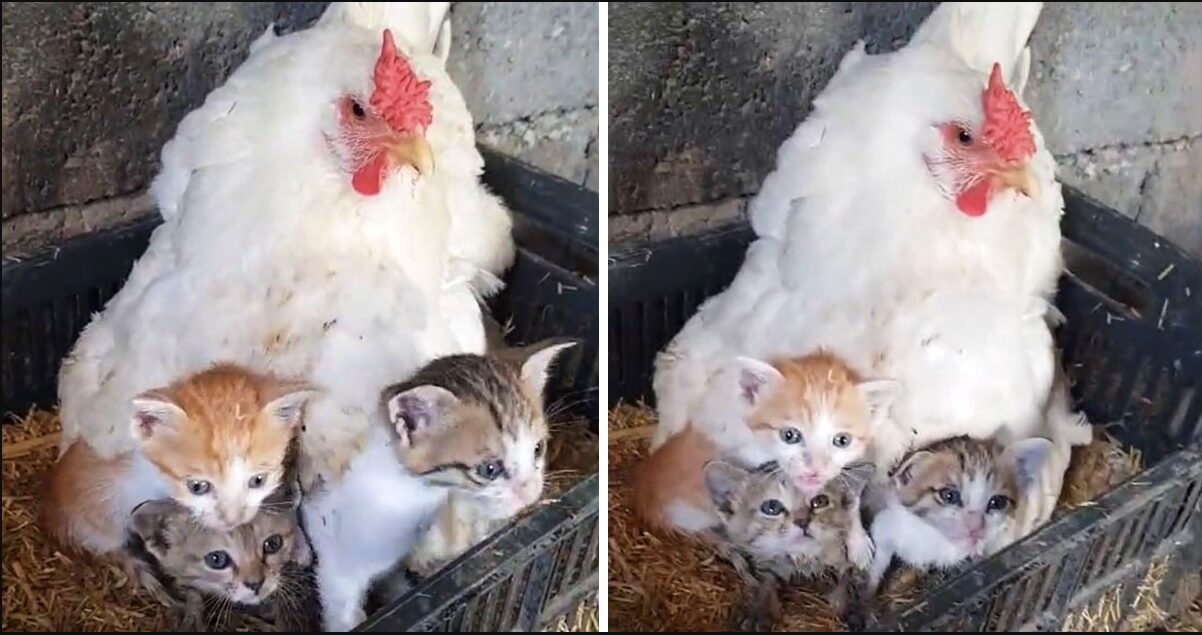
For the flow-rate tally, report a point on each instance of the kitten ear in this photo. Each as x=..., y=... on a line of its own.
x=154, y=412
x=722, y=480
x=879, y=396
x=906, y=471
x=1027, y=458
x=858, y=475
x=756, y=379
x=302, y=553
x=535, y=366
x=289, y=407
x=149, y=521
x=419, y=409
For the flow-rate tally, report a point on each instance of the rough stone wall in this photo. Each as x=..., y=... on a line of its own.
x=701, y=96
x=92, y=90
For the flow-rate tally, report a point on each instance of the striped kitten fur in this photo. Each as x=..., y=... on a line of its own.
x=257, y=565
x=491, y=454
x=773, y=531
x=953, y=501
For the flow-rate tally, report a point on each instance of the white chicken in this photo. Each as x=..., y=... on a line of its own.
x=324, y=219
x=911, y=226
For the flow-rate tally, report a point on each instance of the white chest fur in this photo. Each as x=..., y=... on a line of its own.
x=898, y=532
x=362, y=526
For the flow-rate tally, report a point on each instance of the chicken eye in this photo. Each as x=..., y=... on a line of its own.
x=964, y=137
x=357, y=110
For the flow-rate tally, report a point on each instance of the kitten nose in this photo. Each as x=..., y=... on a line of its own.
x=254, y=585
x=976, y=522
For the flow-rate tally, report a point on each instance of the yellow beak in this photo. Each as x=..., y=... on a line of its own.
x=413, y=151
x=1020, y=179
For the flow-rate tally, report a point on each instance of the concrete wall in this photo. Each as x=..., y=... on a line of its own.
x=702, y=94
x=92, y=90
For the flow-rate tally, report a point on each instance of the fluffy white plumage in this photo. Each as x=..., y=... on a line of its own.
x=860, y=250
x=268, y=258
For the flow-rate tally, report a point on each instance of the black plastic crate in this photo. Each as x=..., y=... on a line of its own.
x=1132, y=344
x=523, y=577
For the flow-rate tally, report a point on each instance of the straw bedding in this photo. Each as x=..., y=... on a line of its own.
x=669, y=585
x=50, y=588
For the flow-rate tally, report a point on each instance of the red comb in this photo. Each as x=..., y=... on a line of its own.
x=399, y=96
x=1007, y=126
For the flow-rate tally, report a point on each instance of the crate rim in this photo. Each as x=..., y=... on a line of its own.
x=572, y=506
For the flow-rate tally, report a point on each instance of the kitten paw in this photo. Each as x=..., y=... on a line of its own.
x=752, y=622
x=192, y=621
x=759, y=614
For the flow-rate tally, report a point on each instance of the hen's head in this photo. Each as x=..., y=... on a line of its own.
x=382, y=132
x=975, y=160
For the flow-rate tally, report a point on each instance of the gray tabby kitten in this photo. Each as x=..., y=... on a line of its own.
x=772, y=533
x=255, y=566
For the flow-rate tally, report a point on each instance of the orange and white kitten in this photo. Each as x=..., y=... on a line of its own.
x=216, y=442
x=813, y=415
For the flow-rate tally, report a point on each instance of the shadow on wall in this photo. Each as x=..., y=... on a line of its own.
x=93, y=90
x=702, y=95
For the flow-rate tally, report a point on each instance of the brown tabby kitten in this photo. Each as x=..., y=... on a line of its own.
x=255, y=565
x=772, y=531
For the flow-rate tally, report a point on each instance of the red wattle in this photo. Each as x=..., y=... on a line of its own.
x=369, y=178
x=974, y=200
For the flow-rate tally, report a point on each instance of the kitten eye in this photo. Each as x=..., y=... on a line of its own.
x=963, y=136
x=949, y=496
x=257, y=481
x=842, y=440
x=490, y=470
x=539, y=448
x=819, y=502
x=790, y=435
x=997, y=504
x=199, y=487
x=273, y=544
x=772, y=507
x=217, y=560
x=357, y=110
